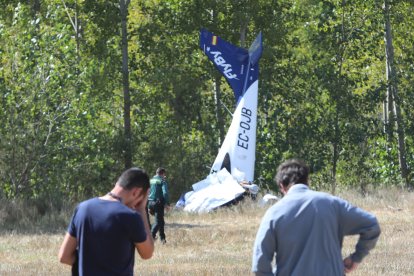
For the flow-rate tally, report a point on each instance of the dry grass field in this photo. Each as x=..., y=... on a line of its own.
x=220, y=243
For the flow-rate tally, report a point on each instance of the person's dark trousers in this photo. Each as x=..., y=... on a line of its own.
x=148, y=216
x=159, y=223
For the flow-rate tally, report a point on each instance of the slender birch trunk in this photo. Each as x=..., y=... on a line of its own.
x=125, y=82
x=393, y=97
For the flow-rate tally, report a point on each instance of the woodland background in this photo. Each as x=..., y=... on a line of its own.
x=88, y=88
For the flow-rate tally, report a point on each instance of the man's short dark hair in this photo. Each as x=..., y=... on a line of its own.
x=134, y=177
x=161, y=170
x=292, y=171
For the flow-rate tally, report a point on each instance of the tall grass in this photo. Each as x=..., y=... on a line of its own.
x=33, y=216
x=217, y=243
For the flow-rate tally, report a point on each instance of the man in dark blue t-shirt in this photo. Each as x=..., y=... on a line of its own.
x=105, y=231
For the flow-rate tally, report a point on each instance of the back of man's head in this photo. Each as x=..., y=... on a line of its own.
x=134, y=177
x=160, y=171
x=292, y=171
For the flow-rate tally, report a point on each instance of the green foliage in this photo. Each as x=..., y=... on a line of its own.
x=321, y=87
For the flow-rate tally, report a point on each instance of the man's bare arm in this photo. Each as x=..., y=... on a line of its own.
x=67, y=250
x=146, y=248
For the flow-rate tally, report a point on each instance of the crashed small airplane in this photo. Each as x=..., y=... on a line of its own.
x=233, y=169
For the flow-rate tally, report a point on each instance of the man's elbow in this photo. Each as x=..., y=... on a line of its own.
x=145, y=249
x=376, y=230
x=146, y=256
x=65, y=259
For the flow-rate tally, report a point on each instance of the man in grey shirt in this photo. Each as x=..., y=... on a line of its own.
x=305, y=230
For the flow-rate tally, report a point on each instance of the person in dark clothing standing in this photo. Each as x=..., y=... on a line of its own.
x=105, y=231
x=158, y=199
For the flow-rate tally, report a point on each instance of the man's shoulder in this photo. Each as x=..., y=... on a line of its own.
x=156, y=179
x=298, y=197
x=325, y=195
x=101, y=204
x=320, y=194
x=86, y=207
x=325, y=199
x=280, y=206
x=275, y=212
x=89, y=202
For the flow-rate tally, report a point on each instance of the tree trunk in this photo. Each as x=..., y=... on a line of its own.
x=392, y=96
x=75, y=21
x=335, y=156
x=336, y=144
x=125, y=81
x=243, y=30
x=219, y=113
x=217, y=92
x=35, y=5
